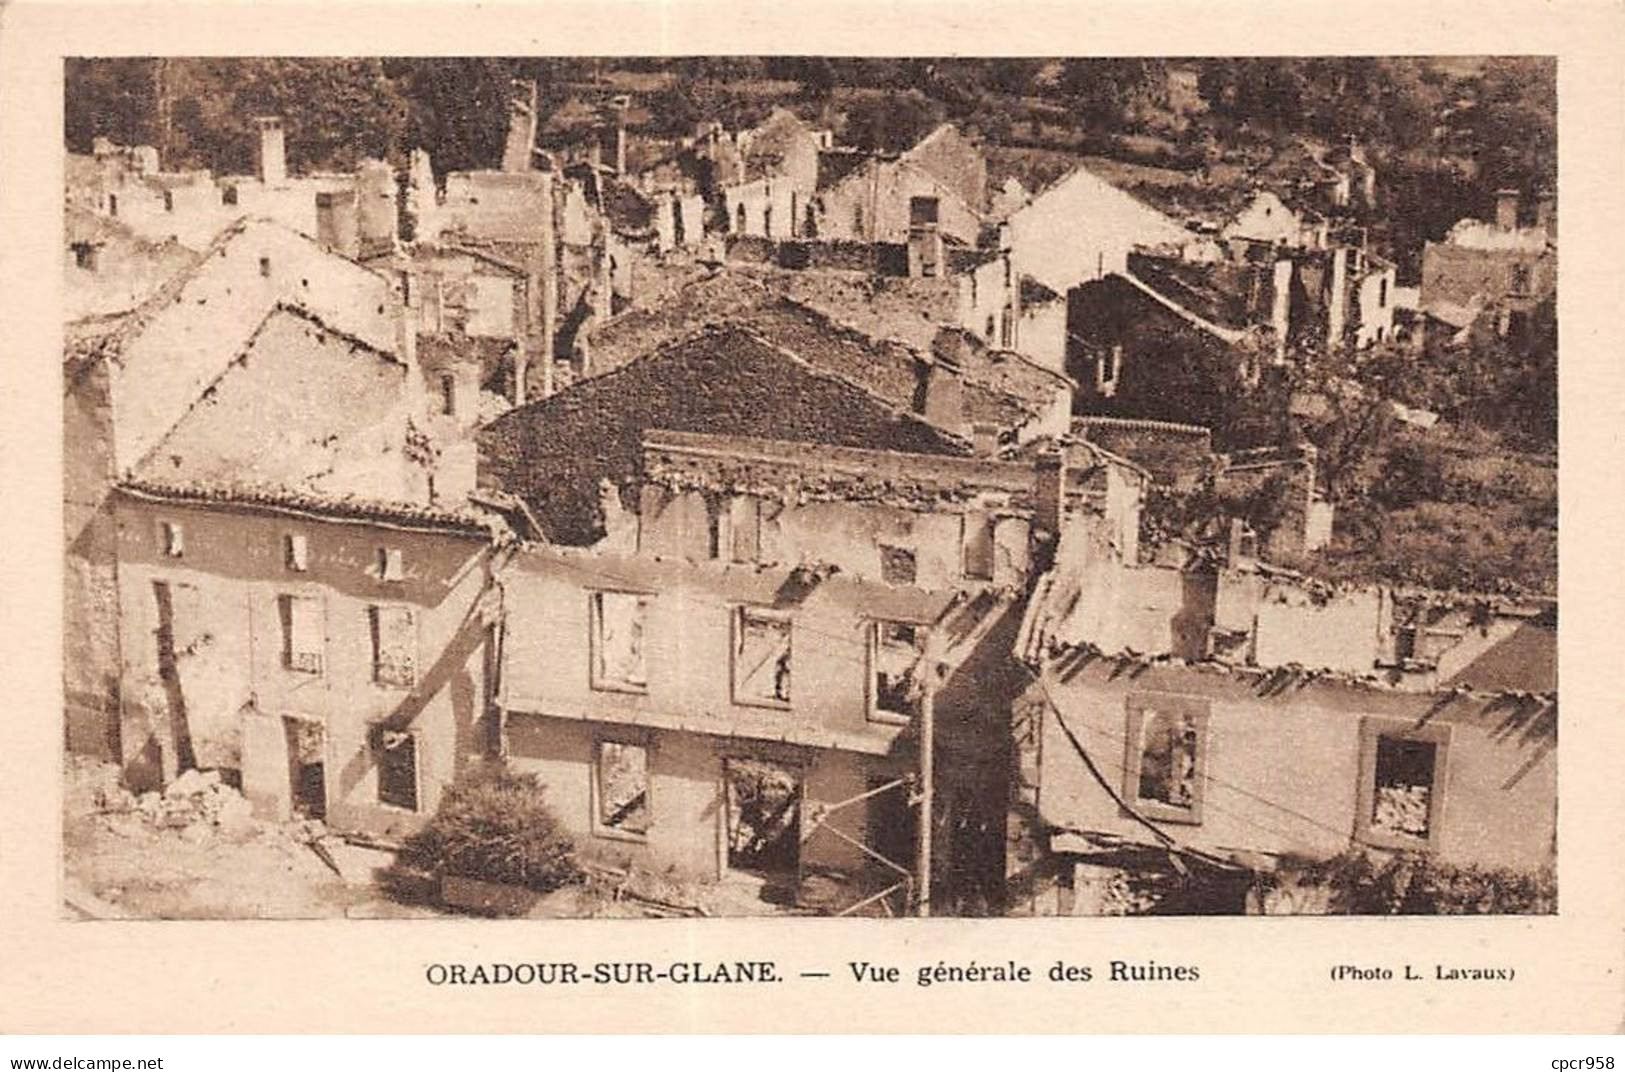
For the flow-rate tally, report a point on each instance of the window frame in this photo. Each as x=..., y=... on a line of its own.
x=970, y=524
x=872, y=627
x=391, y=565
x=374, y=614
x=379, y=745
x=595, y=645
x=296, y=552
x=1136, y=707
x=285, y=619
x=595, y=789
x=736, y=630
x=1372, y=731
x=171, y=538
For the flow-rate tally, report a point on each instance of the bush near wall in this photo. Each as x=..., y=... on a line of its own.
x=495, y=825
x=1358, y=883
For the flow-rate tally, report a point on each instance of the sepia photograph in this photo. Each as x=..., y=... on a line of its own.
x=618, y=487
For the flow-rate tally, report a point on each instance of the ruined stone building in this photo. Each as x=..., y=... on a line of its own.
x=353, y=212
x=266, y=330
x=1240, y=721
x=938, y=186
x=759, y=622
x=1501, y=269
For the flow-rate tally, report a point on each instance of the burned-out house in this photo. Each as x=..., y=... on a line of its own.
x=731, y=680
x=1199, y=740
x=1501, y=269
x=938, y=186
x=351, y=211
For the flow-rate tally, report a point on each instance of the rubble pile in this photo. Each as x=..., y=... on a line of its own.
x=197, y=804
x=194, y=803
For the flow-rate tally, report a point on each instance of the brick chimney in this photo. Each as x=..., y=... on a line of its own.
x=273, y=154
x=1506, y=210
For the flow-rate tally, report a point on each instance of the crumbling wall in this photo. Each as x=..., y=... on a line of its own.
x=207, y=678
x=90, y=655
x=1499, y=789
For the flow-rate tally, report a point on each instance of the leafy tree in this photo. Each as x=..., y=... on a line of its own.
x=892, y=122
x=458, y=109
x=112, y=98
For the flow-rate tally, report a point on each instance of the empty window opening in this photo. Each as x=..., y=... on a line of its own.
x=112, y=204
x=617, y=641
x=228, y=195
x=1520, y=279
x=1402, y=794
x=394, y=646
x=922, y=211
x=397, y=755
x=1110, y=362
x=169, y=201
x=307, y=766
x=1168, y=751
x=171, y=538
x=761, y=666
x=448, y=394
x=296, y=552
x=739, y=219
x=763, y=816
x=1167, y=757
x=303, y=640
x=897, y=564
x=265, y=267
x=1382, y=294
x=895, y=650
x=85, y=255
x=622, y=773
x=976, y=543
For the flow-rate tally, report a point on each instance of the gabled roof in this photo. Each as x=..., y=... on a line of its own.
x=722, y=380
x=298, y=385
x=1002, y=389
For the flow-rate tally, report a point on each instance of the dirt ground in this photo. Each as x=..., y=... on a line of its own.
x=122, y=860
x=195, y=852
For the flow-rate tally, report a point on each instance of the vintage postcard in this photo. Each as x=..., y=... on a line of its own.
x=993, y=524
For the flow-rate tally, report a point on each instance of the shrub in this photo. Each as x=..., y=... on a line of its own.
x=1411, y=884
x=494, y=824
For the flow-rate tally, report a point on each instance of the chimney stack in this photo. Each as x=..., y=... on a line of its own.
x=1546, y=213
x=377, y=214
x=273, y=155
x=336, y=221
x=1049, y=493
x=1506, y=210
x=941, y=392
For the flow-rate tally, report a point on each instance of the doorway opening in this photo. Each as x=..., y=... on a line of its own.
x=763, y=817
x=307, y=766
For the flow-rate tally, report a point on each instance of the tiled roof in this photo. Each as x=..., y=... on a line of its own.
x=723, y=380
x=231, y=493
